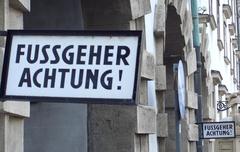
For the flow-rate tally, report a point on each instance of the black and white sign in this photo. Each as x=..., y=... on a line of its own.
x=71, y=65
x=212, y=130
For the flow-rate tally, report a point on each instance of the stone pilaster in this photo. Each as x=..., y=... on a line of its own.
x=12, y=113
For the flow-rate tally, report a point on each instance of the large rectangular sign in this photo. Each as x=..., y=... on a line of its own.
x=84, y=66
x=212, y=130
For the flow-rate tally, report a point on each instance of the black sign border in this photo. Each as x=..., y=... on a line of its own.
x=11, y=33
x=202, y=136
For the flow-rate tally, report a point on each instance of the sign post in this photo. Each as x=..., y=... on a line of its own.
x=71, y=66
x=180, y=95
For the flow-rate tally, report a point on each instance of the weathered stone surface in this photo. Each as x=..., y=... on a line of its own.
x=226, y=145
x=161, y=96
x=162, y=125
x=4, y=9
x=159, y=50
x=140, y=8
x=141, y=143
x=191, y=62
x=12, y=113
x=159, y=19
x=21, y=109
x=170, y=98
x=186, y=25
x=193, y=132
x=208, y=113
x=23, y=5
x=160, y=78
x=184, y=135
x=2, y=132
x=62, y=14
x=61, y=124
x=14, y=134
x=114, y=127
x=11, y=133
x=143, y=100
x=227, y=10
x=190, y=82
x=148, y=66
x=16, y=19
x=162, y=144
x=191, y=100
x=222, y=89
x=192, y=147
x=216, y=77
x=191, y=116
x=146, y=120
x=171, y=140
x=113, y=15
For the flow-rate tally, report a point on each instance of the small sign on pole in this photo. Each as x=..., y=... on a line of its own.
x=213, y=130
x=72, y=66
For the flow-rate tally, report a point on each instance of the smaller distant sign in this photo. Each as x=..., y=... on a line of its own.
x=212, y=130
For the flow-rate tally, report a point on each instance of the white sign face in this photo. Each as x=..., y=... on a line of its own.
x=181, y=89
x=80, y=65
x=213, y=130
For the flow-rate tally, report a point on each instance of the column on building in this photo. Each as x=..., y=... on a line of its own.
x=207, y=22
x=114, y=128
x=160, y=74
x=12, y=113
x=176, y=42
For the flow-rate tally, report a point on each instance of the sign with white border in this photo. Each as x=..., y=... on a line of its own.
x=213, y=130
x=75, y=66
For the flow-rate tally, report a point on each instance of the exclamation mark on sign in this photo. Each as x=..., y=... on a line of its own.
x=120, y=78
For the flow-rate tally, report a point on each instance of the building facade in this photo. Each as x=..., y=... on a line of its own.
x=218, y=26
x=202, y=36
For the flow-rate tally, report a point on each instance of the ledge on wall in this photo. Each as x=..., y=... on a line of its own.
x=234, y=43
x=216, y=76
x=15, y=108
x=232, y=29
x=227, y=11
x=23, y=5
x=206, y=18
x=222, y=89
x=226, y=59
x=220, y=44
x=237, y=53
